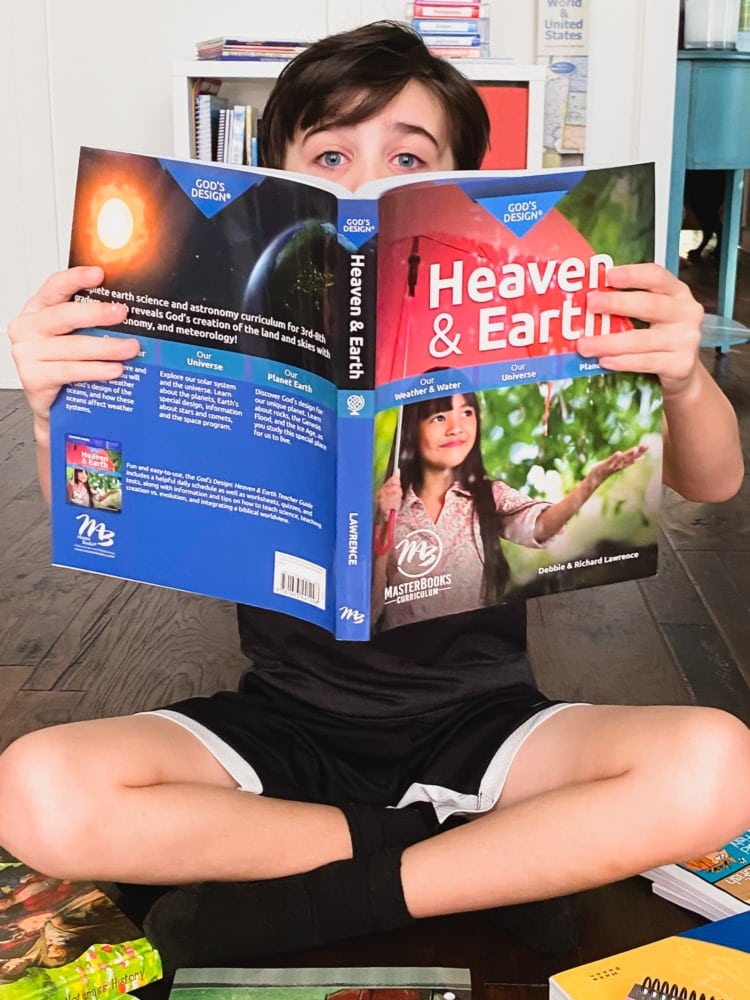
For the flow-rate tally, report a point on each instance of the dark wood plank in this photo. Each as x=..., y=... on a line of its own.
x=602, y=645
x=722, y=579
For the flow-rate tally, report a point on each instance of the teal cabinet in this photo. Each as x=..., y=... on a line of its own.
x=711, y=132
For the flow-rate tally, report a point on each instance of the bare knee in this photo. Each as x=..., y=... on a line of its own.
x=710, y=750
x=42, y=788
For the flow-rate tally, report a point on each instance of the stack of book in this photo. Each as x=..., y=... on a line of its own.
x=714, y=885
x=452, y=29
x=224, y=47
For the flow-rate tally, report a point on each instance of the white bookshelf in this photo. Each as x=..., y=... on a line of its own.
x=250, y=83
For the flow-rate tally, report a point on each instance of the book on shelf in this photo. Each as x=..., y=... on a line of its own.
x=225, y=133
x=297, y=339
x=63, y=940
x=710, y=962
x=473, y=26
x=715, y=885
x=447, y=9
x=226, y=47
x=208, y=109
x=375, y=983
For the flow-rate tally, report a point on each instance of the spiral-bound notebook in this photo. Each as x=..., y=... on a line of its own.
x=709, y=963
x=658, y=989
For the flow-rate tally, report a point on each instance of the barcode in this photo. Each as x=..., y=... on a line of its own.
x=299, y=587
x=299, y=579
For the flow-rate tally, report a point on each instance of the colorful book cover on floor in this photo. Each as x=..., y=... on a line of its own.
x=302, y=350
x=710, y=962
x=62, y=940
x=714, y=885
x=407, y=983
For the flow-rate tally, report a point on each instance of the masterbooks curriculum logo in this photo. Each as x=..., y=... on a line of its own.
x=94, y=536
x=419, y=553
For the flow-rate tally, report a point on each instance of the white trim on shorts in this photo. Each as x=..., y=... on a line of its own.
x=235, y=765
x=445, y=801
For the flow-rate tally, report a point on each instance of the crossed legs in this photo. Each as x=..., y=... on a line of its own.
x=603, y=792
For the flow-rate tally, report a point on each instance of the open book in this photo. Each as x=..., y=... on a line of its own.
x=297, y=341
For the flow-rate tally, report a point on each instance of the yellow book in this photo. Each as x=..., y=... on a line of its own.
x=712, y=961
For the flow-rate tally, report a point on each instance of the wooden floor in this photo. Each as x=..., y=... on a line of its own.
x=75, y=646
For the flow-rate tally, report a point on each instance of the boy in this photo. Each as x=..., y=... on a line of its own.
x=275, y=797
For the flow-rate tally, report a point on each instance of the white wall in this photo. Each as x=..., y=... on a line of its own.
x=103, y=79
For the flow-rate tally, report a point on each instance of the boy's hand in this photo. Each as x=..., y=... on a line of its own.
x=48, y=355
x=669, y=347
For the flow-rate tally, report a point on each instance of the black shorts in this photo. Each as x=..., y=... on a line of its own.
x=457, y=756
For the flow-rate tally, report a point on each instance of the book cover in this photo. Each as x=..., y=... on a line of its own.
x=62, y=940
x=285, y=324
x=714, y=885
x=409, y=983
x=712, y=962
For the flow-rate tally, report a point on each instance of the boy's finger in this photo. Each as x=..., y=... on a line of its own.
x=62, y=285
x=646, y=306
x=63, y=318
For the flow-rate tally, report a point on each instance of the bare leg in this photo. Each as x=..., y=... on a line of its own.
x=139, y=799
x=601, y=793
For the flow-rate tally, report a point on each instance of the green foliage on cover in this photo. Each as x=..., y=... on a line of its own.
x=614, y=210
x=102, y=972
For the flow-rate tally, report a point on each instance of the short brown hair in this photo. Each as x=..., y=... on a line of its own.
x=350, y=76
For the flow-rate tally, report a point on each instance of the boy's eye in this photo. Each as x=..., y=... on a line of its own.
x=331, y=158
x=407, y=161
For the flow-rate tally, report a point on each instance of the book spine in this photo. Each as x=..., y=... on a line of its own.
x=446, y=10
x=445, y=26
x=355, y=380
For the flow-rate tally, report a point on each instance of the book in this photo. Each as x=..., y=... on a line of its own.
x=715, y=885
x=246, y=451
x=225, y=47
x=437, y=8
x=202, y=92
x=710, y=962
x=478, y=26
x=207, y=115
x=409, y=983
x=62, y=940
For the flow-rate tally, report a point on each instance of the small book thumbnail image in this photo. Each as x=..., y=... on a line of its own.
x=93, y=472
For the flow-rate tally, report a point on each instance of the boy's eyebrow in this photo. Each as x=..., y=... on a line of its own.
x=405, y=128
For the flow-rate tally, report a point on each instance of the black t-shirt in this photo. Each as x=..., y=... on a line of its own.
x=401, y=672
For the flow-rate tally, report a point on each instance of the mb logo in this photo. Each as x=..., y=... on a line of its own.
x=419, y=553
x=94, y=532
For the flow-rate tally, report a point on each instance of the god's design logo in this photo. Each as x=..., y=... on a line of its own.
x=419, y=553
x=94, y=534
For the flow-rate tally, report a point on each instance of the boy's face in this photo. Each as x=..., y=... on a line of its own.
x=409, y=135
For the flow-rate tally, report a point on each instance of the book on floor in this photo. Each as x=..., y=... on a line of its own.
x=63, y=940
x=715, y=885
x=710, y=962
x=366, y=983
x=269, y=444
